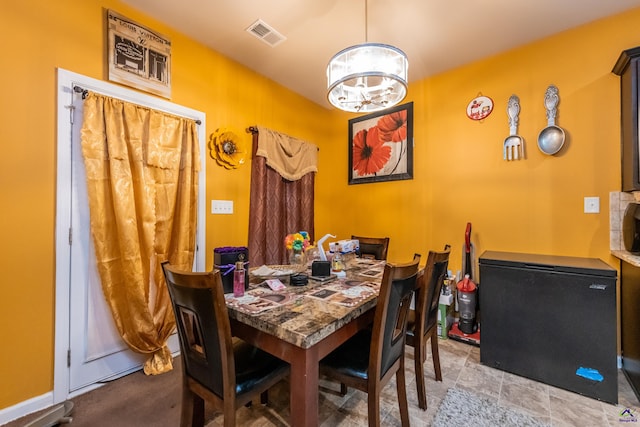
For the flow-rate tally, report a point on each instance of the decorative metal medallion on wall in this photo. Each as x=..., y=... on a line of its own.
x=227, y=149
x=479, y=108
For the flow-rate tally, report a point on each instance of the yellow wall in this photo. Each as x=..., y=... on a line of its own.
x=533, y=205
x=529, y=206
x=40, y=36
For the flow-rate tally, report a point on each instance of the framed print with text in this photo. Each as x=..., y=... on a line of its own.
x=138, y=56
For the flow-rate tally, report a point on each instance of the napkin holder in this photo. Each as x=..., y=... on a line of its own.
x=321, y=268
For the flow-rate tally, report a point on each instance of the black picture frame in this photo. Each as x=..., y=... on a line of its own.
x=381, y=146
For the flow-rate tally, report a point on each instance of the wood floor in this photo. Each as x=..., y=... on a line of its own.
x=137, y=400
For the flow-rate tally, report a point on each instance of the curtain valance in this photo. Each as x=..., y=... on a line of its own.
x=292, y=158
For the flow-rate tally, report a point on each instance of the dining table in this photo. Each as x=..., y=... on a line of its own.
x=302, y=324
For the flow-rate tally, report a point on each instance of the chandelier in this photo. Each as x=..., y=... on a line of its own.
x=367, y=77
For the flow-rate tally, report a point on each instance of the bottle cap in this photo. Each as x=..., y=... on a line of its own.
x=240, y=262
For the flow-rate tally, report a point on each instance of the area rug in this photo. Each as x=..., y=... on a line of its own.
x=463, y=408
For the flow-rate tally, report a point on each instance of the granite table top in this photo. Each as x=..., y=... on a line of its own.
x=304, y=315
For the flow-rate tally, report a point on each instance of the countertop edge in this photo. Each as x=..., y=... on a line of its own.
x=627, y=257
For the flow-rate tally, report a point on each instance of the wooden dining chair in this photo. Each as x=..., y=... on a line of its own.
x=372, y=247
x=226, y=373
x=423, y=322
x=369, y=359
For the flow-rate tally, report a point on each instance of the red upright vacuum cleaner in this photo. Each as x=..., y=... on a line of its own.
x=467, y=329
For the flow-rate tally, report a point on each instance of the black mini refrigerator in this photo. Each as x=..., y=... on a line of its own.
x=551, y=319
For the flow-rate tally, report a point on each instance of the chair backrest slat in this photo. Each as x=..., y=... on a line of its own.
x=390, y=320
x=203, y=324
x=376, y=247
x=430, y=285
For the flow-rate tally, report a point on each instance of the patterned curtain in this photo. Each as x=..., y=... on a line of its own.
x=282, y=194
x=142, y=183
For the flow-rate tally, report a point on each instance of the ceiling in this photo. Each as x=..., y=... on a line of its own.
x=436, y=35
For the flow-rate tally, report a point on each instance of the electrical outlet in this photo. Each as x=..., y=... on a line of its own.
x=592, y=205
x=224, y=207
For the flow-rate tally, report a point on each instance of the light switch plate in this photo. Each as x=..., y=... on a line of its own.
x=592, y=205
x=224, y=207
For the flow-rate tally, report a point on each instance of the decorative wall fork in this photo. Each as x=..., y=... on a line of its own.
x=513, y=147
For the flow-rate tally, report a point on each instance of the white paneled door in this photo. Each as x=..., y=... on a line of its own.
x=96, y=350
x=89, y=349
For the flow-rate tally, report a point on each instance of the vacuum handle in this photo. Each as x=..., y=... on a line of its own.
x=467, y=238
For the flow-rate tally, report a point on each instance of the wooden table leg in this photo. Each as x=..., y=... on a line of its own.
x=304, y=381
x=305, y=370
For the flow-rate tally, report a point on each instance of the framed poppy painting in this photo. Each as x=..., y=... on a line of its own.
x=381, y=146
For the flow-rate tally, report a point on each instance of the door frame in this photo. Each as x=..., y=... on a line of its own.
x=66, y=80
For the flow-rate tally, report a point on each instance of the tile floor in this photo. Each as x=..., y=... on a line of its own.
x=460, y=368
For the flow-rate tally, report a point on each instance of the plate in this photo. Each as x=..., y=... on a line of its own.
x=479, y=108
x=265, y=272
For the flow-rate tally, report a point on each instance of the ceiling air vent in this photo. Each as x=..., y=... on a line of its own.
x=264, y=32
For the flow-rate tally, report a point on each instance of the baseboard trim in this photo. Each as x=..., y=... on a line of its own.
x=26, y=407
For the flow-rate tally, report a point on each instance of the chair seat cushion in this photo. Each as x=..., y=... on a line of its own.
x=352, y=357
x=254, y=366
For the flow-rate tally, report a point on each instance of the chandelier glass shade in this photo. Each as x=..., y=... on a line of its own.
x=367, y=77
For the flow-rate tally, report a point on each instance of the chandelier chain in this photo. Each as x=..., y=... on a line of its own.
x=366, y=21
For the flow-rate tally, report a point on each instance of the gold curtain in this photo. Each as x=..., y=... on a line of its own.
x=142, y=183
